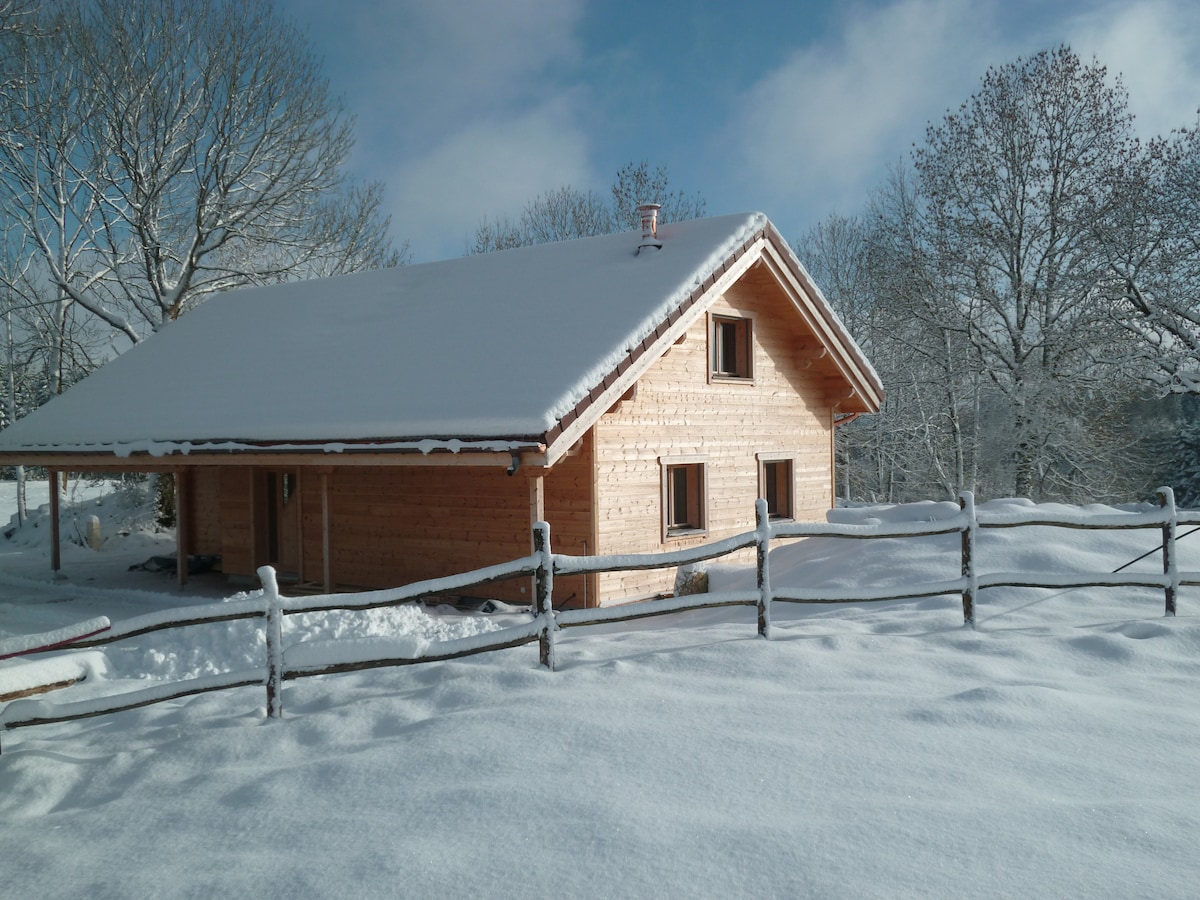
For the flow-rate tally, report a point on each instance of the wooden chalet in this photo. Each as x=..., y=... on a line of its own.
x=637, y=391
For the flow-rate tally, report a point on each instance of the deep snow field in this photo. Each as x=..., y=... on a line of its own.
x=866, y=751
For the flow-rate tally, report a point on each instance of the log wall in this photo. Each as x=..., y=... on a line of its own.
x=391, y=525
x=677, y=411
x=237, y=551
x=570, y=510
x=205, y=511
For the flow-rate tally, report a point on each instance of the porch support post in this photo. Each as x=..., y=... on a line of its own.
x=537, y=499
x=298, y=499
x=55, y=558
x=537, y=513
x=183, y=509
x=326, y=562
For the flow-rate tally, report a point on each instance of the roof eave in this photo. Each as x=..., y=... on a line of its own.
x=428, y=452
x=864, y=382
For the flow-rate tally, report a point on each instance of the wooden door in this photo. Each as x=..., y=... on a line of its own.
x=280, y=506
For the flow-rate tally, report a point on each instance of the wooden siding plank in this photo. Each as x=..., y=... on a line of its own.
x=677, y=412
x=237, y=551
x=206, y=511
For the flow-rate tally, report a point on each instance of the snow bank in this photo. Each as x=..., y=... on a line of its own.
x=47, y=640
x=836, y=568
x=867, y=751
x=122, y=509
x=28, y=674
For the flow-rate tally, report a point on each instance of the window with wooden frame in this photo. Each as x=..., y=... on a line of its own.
x=731, y=348
x=684, y=500
x=776, y=485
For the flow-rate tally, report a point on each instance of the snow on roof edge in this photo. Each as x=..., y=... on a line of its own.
x=754, y=223
x=160, y=449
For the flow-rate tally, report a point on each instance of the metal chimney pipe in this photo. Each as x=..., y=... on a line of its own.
x=648, y=212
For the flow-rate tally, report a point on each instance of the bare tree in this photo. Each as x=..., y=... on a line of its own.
x=1149, y=231
x=836, y=253
x=182, y=149
x=976, y=284
x=16, y=20
x=39, y=351
x=636, y=184
x=1009, y=184
x=15, y=362
x=883, y=282
x=562, y=214
x=51, y=193
x=566, y=213
x=497, y=234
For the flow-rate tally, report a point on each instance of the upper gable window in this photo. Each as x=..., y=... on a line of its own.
x=731, y=348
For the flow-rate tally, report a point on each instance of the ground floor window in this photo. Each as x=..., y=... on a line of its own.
x=683, y=497
x=776, y=487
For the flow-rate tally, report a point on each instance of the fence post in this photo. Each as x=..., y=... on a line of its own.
x=1166, y=499
x=762, y=531
x=966, y=502
x=544, y=593
x=274, y=631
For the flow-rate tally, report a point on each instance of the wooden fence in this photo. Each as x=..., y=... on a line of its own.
x=301, y=661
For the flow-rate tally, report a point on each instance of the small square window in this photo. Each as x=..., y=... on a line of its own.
x=732, y=350
x=683, y=489
x=776, y=487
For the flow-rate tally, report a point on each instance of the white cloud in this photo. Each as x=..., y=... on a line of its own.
x=491, y=167
x=426, y=66
x=465, y=108
x=818, y=131
x=1155, y=45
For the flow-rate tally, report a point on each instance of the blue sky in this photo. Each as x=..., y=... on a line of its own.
x=469, y=108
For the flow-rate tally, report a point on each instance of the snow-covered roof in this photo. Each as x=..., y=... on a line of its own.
x=483, y=352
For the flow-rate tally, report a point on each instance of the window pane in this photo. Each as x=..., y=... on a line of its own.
x=685, y=500
x=731, y=347
x=679, y=496
x=728, y=342
x=777, y=488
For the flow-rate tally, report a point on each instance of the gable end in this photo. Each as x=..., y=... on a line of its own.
x=610, y=388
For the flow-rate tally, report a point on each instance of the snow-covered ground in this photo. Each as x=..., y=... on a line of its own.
x=866, y=751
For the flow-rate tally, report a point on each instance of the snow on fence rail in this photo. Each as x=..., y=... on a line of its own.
x=304, y=660
x=24, y=644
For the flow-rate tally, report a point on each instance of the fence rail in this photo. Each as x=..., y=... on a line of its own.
x=303, y=660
